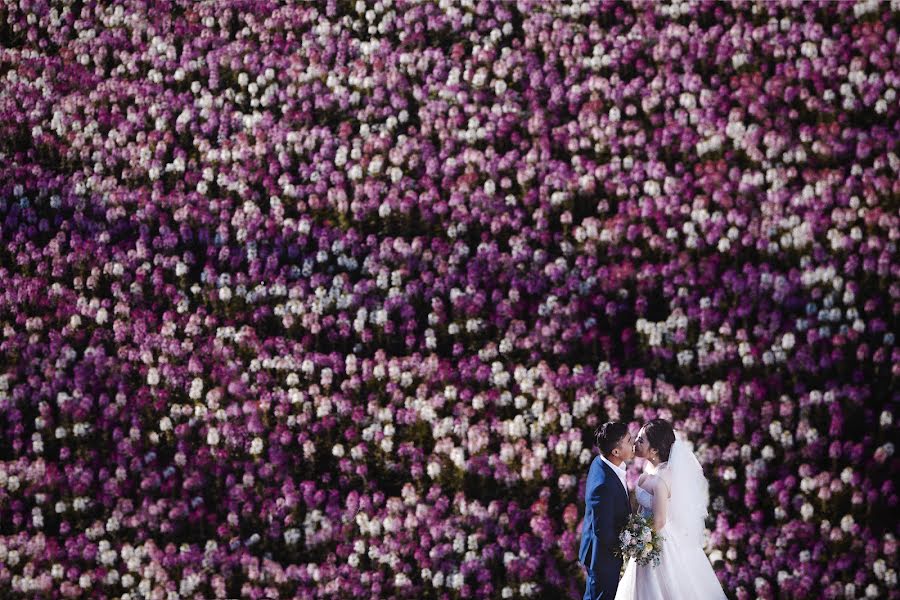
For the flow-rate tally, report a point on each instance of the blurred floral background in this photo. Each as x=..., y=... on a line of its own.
x=325, y=300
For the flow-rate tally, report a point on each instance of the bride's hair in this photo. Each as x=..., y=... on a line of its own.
x=660, y=436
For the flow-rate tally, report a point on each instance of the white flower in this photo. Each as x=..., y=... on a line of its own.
x=787, y=342
x=787, y=440
x=153, y=376
x=847, y=523
x=196, y=389
x=256, y=446
x=212, y=436
x=375, y=165
x=585, y=456
x=846, y=474
x=292, y=536
x=652, y=188
x=561, y=447
x=438, y=579
x=457, y=455
x=806, y=511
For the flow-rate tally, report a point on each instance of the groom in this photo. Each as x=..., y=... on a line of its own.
x=607, y=507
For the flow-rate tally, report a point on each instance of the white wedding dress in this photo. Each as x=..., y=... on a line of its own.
x=684, y=571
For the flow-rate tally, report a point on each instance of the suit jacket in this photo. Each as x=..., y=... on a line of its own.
x=607, y=507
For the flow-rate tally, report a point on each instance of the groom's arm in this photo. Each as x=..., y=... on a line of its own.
x=601, y=506
x=604, y=527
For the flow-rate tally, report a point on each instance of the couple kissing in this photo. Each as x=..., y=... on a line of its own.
x=672, y=499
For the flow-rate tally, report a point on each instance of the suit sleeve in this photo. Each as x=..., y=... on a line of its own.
x=604, y=528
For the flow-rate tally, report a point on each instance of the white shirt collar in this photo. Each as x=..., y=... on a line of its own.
x=620, y=471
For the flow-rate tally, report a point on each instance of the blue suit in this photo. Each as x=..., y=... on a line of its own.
x=607, y=507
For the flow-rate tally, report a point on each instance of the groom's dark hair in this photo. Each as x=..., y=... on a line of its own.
x=609, y=435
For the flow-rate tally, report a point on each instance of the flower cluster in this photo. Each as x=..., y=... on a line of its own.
x=639, y=541
x=325, y=299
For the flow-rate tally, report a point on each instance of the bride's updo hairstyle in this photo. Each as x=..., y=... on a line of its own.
x=660, y=436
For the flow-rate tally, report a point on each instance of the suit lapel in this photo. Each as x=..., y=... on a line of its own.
x=611, y=473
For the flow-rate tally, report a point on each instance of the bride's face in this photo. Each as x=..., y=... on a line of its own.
x=641, y=445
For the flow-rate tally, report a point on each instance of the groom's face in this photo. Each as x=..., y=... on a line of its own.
x=625, y=448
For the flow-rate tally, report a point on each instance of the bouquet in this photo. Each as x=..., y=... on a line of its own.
x=640, y=541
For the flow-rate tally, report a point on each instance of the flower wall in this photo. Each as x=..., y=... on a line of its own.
x=325, y=300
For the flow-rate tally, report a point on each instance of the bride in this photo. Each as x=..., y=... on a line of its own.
x=674, y=492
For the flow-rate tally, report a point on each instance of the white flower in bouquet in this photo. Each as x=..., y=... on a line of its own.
x=639, y=541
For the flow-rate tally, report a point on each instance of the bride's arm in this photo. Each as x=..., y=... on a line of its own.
x=660, y=503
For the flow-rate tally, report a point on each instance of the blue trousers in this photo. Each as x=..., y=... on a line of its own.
x=601, y=588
